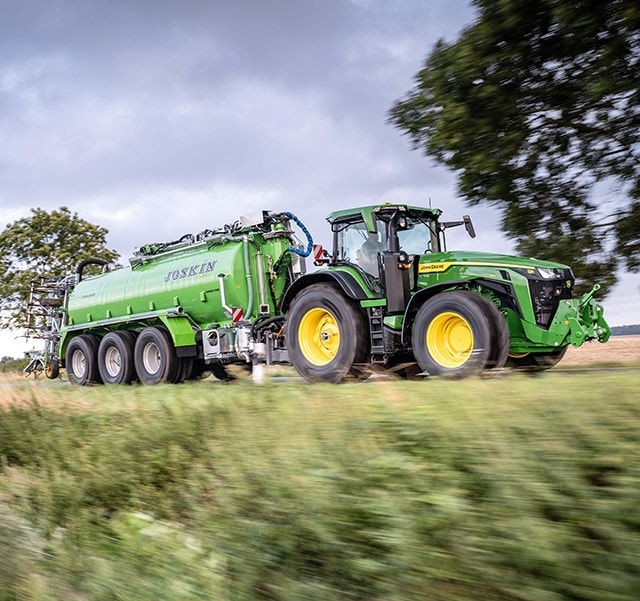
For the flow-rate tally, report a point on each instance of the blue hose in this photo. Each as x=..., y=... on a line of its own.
x=307, y=251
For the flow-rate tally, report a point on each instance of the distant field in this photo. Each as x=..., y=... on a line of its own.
x=619, y=349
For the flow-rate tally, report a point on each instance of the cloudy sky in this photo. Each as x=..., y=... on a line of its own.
x=154, y=118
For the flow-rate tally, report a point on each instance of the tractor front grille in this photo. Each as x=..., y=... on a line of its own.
x=546, y=295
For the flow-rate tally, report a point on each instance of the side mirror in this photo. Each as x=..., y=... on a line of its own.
x=468, y=225
x=466, y=222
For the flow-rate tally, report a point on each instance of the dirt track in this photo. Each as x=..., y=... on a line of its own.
x=623, y=349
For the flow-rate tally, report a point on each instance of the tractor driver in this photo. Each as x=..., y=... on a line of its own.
x=367, y=254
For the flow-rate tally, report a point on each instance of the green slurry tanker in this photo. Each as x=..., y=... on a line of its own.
x=389, y=295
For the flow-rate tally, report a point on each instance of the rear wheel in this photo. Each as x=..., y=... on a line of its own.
x=115, y=357
x=452, y=334
x=82, y=360
x=154, y=356
x=536, y=361
x=326, y=333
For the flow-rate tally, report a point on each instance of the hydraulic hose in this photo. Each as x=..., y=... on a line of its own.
x=90, y=261
x=297, y=251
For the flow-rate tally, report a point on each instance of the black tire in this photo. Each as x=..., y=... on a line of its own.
x=198, y=369
x=52, y=369
x=81, y=360
x=535, y=362
x=452, y=334
x=155, y=357
x=115, y=357
x=326, y=334
x=500, y=337
x=185, y=368
x=219, y=371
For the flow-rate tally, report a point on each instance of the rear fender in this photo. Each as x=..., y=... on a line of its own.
x=347, y=282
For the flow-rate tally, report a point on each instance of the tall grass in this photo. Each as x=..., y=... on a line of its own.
x=514, y=489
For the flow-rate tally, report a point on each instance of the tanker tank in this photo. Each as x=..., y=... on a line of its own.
x=185, y=278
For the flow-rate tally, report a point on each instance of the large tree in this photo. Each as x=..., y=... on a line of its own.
x=41, y=246
x=536, y=107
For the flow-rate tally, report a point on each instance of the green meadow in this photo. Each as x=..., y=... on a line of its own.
x=514, y=488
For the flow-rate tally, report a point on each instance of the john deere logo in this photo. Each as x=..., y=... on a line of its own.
x=434, y=267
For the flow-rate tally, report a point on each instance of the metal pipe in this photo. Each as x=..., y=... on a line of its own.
x=262, y=292
x=247, y=268
x=223, y=296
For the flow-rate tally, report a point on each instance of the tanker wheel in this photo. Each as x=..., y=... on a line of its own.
x=535, y=362
x=115, y=357
x=82, y=360
x=154, y=356
x=198, y=369
x=52, y=369
x=326, y=334
x=184, y=371
x=452, y=334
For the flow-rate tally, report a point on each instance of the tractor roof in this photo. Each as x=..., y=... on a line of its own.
x=366, y=214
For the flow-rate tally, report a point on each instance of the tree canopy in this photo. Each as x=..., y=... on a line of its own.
x=536, y=107
x=43, y=245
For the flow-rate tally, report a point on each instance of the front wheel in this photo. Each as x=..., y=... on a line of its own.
x=500, y=337
x=452, y=334
x=326, y=334
x=533, y=362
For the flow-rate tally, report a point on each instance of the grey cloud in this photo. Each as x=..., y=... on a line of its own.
x=125, y=103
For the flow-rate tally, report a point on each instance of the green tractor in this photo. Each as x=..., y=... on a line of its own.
x=390, y=294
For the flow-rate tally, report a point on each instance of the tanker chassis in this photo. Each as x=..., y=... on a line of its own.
x=389, y=295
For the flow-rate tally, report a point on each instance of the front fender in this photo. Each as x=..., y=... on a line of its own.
x=419, y=298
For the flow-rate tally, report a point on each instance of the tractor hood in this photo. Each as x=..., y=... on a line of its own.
x=440, y=262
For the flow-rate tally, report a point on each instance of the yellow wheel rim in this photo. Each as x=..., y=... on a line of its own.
x=319, y=336
x=450, y=340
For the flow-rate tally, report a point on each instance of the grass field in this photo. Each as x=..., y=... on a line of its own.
x=514, y=489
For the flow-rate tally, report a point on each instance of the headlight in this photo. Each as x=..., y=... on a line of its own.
x=547, y=273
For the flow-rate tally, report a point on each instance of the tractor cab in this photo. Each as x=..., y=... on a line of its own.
x=383, y=240
x=391, y=228
x=361, y=236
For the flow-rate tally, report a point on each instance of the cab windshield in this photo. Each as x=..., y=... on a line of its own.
x=361, y=247
x=415, y=239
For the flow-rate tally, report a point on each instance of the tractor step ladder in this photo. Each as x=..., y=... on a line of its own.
x=376, y=333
